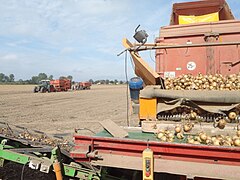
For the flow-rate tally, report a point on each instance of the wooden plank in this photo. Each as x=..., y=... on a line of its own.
x=114, y=129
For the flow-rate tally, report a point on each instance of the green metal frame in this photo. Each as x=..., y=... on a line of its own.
x=72, y=171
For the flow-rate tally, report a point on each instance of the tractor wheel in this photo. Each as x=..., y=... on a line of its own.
x=43, y=90
x=35, y=90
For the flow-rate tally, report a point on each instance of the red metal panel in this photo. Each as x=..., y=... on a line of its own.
x=206, y=60
x=185, y=159
x=61, y=84
x=171, y=151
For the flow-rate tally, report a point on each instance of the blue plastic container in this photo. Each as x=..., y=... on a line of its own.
x=135, y=85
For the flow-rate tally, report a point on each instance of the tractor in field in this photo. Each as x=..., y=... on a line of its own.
x=44, y=86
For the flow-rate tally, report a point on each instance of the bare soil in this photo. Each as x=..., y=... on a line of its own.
x=62, y=112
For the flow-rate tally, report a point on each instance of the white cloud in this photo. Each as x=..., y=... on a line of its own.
x=67, y=50
x=18, y=43
x=9, y=57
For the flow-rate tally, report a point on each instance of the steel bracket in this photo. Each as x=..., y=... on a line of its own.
x=34, y=164
x=45, y=166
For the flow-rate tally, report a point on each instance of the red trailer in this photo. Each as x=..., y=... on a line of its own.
x=61, y=84
x=206, y=59
x=85, y=85
x=81, y=85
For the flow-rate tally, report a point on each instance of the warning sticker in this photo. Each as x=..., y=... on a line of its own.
x=191, y=66
x=169, y=74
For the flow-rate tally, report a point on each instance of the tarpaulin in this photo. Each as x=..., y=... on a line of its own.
x=213, y=17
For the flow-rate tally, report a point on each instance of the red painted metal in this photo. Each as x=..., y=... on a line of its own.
x=207, y=60
x=61, y=84
x=85, y=85
x=168, y=151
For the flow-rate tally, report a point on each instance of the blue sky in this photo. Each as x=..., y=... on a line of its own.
x=76, y=37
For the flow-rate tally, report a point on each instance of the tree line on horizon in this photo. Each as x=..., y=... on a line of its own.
x=10, y=79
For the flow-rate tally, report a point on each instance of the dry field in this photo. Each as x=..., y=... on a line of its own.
x=62, y=112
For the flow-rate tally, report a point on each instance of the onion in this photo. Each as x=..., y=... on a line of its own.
x=164, y=138
x=160, y=135
x=170, y=135
x=216, y=82
x=227, y=143
x=232, y=115
x=208, y=141
x=187, y=127
x=236, y=142
x=196, y=142
x=180, y=136
x=238, y=133
x=216, y=142
x=178, y=129
x=190, y=141
x=166, y=132
x=229, y=139
x=203, y=136
x=220, y=123
x=193, y=115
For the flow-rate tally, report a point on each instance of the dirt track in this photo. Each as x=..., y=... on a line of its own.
x=62, y=112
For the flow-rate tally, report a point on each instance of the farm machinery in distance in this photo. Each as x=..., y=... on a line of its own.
x=82, y=85
x=44, y=86
x=53, y=85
